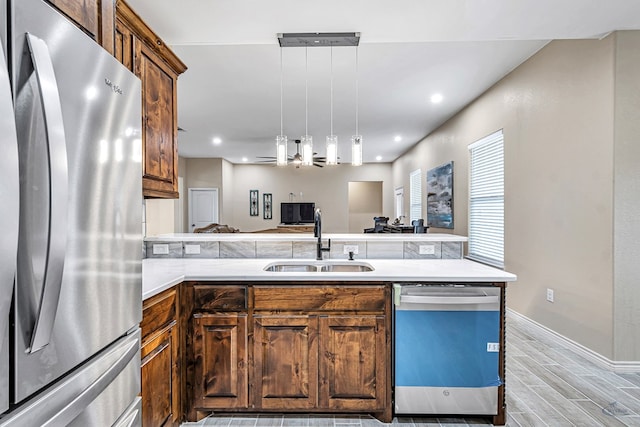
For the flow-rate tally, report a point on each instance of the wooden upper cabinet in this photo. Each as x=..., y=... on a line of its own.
x=160, y=124
x=94, y=17
x=123, y=47
x=143, y=52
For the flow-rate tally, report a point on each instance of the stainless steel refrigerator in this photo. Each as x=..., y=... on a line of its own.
x=70, y=227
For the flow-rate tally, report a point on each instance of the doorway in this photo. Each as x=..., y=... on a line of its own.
x=365, y=202
x=399, y=204
x=203, y=207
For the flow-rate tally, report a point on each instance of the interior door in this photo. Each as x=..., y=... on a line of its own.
x=203, y=207
x=399, y=203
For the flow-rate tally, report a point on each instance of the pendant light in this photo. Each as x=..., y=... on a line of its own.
x=356, y=140
x=307, y=140
x=281, y=140
x=305, y=143
x=332, y=140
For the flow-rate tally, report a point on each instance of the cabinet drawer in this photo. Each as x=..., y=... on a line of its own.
x=216, y=298
x=158, y=311
x=320, y=298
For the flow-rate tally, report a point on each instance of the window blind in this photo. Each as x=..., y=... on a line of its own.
x=415, y=195
x=486, y=200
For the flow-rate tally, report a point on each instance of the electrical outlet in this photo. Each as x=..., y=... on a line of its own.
x=161, y=249
x=549, y=295
x=350, y=248
x=493, y=347
x=192, y=249
x=427, y=249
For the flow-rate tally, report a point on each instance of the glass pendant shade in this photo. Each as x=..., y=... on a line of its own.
x=356, y=150
x=332, y=150
x=307, y=150
x=281, y=150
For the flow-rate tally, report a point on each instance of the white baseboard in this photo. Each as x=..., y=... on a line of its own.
x=592, y=356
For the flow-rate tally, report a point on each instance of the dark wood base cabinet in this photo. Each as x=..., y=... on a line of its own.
x=160, y=365
x=287, y=348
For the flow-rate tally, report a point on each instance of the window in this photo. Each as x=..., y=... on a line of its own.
x=486, y=200
x=415, y=194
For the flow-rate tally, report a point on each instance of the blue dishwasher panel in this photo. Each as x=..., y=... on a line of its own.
x=446, y=348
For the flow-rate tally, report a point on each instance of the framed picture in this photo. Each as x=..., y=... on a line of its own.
x=266, y=206
x=253, y=202
x=440, y=196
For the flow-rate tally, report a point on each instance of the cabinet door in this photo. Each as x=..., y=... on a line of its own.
x=159, y=123
x=160, y=385
x=95, y=17
x=285, y=353
x=353, y=362
x=123, y=49
x=220, y=354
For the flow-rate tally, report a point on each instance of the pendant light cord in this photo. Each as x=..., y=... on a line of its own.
x=281, y=83
x=331, y=110
x=357, y=90
x=306, y=90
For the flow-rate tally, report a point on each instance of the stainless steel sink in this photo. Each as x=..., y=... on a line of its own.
x=319, y=266
x=282, y=267
x=346, y=268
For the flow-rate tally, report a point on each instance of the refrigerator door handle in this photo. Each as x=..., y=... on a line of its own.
x=64, y=402
x=58, y=175
x=77, y=405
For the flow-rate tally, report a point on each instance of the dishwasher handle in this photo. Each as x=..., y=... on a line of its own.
x=449, y=300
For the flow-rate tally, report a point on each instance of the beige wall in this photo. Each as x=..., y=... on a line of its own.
x=365, y=202
x=328, y=187
x=160, y=216
x=556, y=111
x=626, y=197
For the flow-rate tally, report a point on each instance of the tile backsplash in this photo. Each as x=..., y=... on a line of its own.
x=372, y=249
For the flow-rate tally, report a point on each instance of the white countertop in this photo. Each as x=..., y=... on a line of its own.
x=159, y=274
x=350, y=237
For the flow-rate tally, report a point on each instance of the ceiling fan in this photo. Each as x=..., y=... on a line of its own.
x=296, y=159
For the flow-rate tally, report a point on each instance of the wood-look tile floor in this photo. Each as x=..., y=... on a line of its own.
x=547, y=385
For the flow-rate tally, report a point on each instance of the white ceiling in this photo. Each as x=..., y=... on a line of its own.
x=409, y=50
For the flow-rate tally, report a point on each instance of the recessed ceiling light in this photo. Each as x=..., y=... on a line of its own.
x=378, y=158
x=244, y=159
x=397, y=138
x=436, y=98
x=217, y=140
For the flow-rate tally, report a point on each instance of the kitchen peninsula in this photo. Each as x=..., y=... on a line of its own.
x=311, y=336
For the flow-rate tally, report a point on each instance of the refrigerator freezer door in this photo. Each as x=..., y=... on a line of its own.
x=100, y=288
x=100, y=393
x=9, y=194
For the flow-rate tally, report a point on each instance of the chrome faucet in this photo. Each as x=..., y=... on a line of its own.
x=317, y=232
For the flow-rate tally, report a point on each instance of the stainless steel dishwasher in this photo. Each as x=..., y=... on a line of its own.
x=446, y=350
